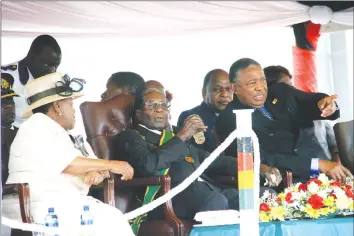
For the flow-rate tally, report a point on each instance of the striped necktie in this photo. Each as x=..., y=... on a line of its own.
x=265, y=112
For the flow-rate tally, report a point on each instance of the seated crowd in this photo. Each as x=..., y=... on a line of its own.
x=37, y=114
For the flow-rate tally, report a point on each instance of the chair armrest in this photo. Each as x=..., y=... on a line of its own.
x=141, y=181
x=172, y=219
x=165, y=182
x=231, y=181
x=287, y=176
x=23, y=192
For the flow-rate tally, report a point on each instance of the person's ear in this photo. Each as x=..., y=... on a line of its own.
x=57, y=107
x=235, y=88
x=204, y=93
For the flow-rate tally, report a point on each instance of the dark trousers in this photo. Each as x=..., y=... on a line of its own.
x=202, y=196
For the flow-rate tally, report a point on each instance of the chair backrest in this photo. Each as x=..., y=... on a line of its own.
x=344, y=136
x=102, y=121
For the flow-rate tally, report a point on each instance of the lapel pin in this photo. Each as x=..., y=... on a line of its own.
x=275, y=101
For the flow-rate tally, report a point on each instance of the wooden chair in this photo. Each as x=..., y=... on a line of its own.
x=344, y=136
x=21, y=190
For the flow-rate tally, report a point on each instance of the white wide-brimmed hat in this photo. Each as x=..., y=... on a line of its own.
x=50, y=88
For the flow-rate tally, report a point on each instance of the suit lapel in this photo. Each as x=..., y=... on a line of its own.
x=277, y=107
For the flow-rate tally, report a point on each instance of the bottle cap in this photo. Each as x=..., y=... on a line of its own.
x=86, y=208
x=50, y=209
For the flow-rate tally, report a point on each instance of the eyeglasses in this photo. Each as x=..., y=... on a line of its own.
x=154, y=105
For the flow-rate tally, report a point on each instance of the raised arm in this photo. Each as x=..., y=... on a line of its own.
x=314, y=106
x=146, y=158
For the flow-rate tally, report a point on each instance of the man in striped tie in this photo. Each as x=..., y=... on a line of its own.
x=283, y=121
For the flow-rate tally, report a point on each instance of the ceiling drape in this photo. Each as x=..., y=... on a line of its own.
x=156, y=18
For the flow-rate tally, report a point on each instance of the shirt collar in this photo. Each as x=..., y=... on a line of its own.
x=152, y=130
x=209, y=108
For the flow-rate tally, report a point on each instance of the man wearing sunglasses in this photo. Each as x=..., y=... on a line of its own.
x=44, y=57
x=150, y=153
x=217, y=93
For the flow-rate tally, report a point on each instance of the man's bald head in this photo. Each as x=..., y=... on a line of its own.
x=154, y=84
x=212, y=75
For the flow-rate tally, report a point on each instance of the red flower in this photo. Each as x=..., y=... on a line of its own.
x=347, y=186
x=333, y=195
x=302, y=187
x=317, y=181
x=315, y=201
x=264, y=207
x=278, y=200
x=349, y=193
x=335, y=183
x=288, y=198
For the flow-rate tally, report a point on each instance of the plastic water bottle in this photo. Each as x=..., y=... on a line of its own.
x=51, y=220
x=86, y=218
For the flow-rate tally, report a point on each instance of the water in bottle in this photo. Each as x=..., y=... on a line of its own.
x=86, y=218
x=51, y=220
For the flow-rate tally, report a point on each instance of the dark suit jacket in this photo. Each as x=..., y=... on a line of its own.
x=207, y=114
x=148, y=160
x=7, y=136
x=288, y=142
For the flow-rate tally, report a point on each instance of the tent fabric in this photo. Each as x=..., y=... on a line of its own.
x=304, y=56
x=153, y=18
x=304, y=75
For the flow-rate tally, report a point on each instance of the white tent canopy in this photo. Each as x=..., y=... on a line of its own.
x=177, y=42
x=155, y=18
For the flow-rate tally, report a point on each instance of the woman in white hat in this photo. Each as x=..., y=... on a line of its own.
x=58, y=172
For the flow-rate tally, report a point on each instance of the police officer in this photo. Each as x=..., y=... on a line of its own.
x=7, y=118
x=44, y=57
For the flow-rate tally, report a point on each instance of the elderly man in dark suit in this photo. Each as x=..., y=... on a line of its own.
x=283, y=121
x=144, y=148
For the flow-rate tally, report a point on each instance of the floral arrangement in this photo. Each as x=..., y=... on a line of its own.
x=318, y=198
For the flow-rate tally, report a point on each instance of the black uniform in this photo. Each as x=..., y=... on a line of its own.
x=147, y=159
x=7, y=136
x=288, y=141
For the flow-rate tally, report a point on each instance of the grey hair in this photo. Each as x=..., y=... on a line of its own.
x=239, y=66
x=155, y=90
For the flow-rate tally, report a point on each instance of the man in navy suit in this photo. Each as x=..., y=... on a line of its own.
x=283, y=121
x=217, y=93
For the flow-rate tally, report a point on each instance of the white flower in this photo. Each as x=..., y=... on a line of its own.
x=339, y=192
x=303, y=194
x=296, y=196
x=266, y=194
x=313, y=187
x=342, y=202
x=323, y=194
x=323, y=178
